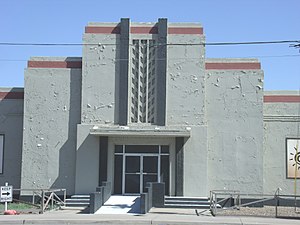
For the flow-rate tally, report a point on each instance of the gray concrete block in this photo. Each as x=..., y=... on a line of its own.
x=96, y=201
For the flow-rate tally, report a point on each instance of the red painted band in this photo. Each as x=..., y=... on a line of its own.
x=185, y=30
x=11, y=95
x=143, y=30
x=102, y=30
x=54, y=64
x=282, y=98
x=117, y=30
x=232, y=66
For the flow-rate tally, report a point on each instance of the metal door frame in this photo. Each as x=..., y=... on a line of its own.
x=141, y=156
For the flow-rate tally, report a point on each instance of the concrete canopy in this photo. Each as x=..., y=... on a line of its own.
x=128, y=131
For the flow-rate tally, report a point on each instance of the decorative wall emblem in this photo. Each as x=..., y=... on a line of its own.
x=293, y=157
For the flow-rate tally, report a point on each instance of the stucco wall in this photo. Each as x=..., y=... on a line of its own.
x=195, y=163
x=99, y=73
x=87, y=160
x=185, y=80
x=281, y=121
x=185, y=105
x=235, y=129
x=51, y=112
x=11, y=126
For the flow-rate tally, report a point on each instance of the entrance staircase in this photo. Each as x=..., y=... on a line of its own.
x=78, y=201
x=83, y=201
x=187, y=202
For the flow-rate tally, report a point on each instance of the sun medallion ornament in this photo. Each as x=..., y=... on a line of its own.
x=293, y=158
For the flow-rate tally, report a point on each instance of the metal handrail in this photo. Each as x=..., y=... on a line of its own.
x=236, y=195
x=47, y=196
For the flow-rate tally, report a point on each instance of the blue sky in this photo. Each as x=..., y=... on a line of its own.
x=63, y=21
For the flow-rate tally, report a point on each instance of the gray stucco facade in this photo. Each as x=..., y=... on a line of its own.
x=281, y=122
x=11, y=130
x=51, y=114
x=143, y=103
x=235, y=129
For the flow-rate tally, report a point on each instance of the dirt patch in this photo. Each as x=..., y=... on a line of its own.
x=266, y=211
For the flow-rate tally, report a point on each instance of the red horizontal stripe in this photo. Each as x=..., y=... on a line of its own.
x=282, y=98
x=232, y=66
x=11, y=95
x=185, y=30
x=143, y=30
x=102, y=30
x=54, y=64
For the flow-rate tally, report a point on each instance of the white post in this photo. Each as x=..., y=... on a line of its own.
x=5, y=203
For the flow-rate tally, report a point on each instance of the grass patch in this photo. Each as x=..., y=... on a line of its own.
x=17, y=206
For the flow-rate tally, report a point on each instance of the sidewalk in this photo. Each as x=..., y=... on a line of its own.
x=156, y=216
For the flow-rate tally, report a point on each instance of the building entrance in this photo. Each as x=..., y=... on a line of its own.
x=136, y=165
x=140, y=169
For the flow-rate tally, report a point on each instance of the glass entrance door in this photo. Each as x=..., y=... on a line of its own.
x=139, y=169
x=132, y=174
x=135, y=165
x=150, y=170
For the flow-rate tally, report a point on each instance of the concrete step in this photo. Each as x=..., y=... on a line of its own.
x=187, y=206
x=121, y=205
x=77, y=204
x=72, y=208
x=187, y=202
x=78, y=201
x=195, y=199
x=80, y=197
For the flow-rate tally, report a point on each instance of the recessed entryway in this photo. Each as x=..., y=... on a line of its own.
x=140, y=169
x=136, y=165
